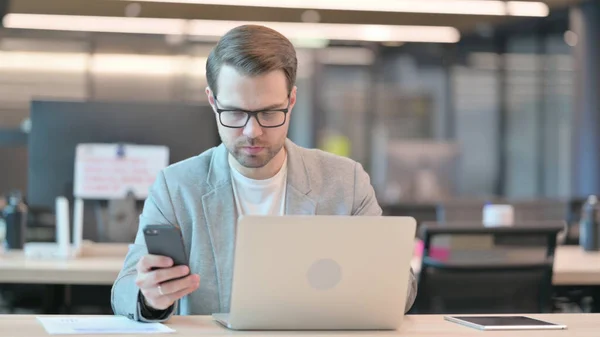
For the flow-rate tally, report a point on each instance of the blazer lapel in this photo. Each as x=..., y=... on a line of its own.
x=298, y=200
x=221, y=217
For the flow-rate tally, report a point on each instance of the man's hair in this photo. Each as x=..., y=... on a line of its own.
x=252, y=50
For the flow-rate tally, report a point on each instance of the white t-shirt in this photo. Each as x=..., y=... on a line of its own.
x=260, y=197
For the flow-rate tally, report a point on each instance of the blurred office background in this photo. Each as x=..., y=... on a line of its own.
x=445, y=103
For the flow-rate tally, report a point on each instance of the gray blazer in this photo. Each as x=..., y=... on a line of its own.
x=196, y=195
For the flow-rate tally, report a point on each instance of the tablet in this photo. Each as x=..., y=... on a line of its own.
x=504, y=323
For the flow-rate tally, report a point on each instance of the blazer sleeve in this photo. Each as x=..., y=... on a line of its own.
x=365, y=203
x=126, y=298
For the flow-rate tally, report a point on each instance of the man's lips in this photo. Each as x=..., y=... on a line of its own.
x=253, y=149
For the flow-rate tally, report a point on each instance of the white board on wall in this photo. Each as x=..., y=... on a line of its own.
x=111, y=171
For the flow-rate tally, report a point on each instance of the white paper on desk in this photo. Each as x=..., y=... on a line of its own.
x=69, y=325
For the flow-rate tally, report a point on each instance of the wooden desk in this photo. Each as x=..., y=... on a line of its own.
x=99, y=265
x=580, y=325
x=572, y=266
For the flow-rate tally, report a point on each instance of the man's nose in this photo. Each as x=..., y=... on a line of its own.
x=252, y=128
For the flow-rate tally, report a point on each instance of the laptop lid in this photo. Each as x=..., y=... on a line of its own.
x=321, y=272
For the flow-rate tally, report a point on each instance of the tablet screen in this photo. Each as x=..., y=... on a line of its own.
x=504, y=321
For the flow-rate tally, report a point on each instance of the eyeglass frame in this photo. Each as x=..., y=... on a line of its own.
x=251, y=114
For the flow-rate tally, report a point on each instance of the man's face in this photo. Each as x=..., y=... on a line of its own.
x=253, y=146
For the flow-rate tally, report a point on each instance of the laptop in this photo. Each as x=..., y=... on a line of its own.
x=320, y=273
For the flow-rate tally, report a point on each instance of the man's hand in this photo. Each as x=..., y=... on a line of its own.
x=158, y=286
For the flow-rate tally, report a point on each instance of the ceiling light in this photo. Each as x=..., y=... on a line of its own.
x=525, y=8
x=213, y=29
x=330, y=31
x=95, y=23
x=310, y=43
x=110, y=64
x=43, y=61
x=196, y=66
x=466, y=7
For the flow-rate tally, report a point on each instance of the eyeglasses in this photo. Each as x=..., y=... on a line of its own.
x=237, y=118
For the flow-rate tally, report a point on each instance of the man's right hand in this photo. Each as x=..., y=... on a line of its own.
x=158, y=286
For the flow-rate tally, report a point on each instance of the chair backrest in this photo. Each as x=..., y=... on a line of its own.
x=540, y=210
x=421, y=212
x=486, y=270
x=525, y=210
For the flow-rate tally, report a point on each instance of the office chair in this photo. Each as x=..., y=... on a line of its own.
x=486, y=273
x=421, y=212
x=540, y=210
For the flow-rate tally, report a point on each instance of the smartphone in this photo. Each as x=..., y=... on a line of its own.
x=166, y=240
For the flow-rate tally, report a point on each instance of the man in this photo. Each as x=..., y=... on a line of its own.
x=256, y=170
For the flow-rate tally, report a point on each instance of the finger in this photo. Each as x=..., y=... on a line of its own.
x=183, y=292
x=163, y=302
x=148, y=262
x=164, y=275
x=154, y=278
x=172, y=287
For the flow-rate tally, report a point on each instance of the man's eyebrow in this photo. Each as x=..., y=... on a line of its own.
x=269, y=107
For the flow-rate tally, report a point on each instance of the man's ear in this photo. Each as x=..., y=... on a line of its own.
x=211, y=98
x=293, y=97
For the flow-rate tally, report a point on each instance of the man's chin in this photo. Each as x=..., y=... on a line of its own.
x=249, y=161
